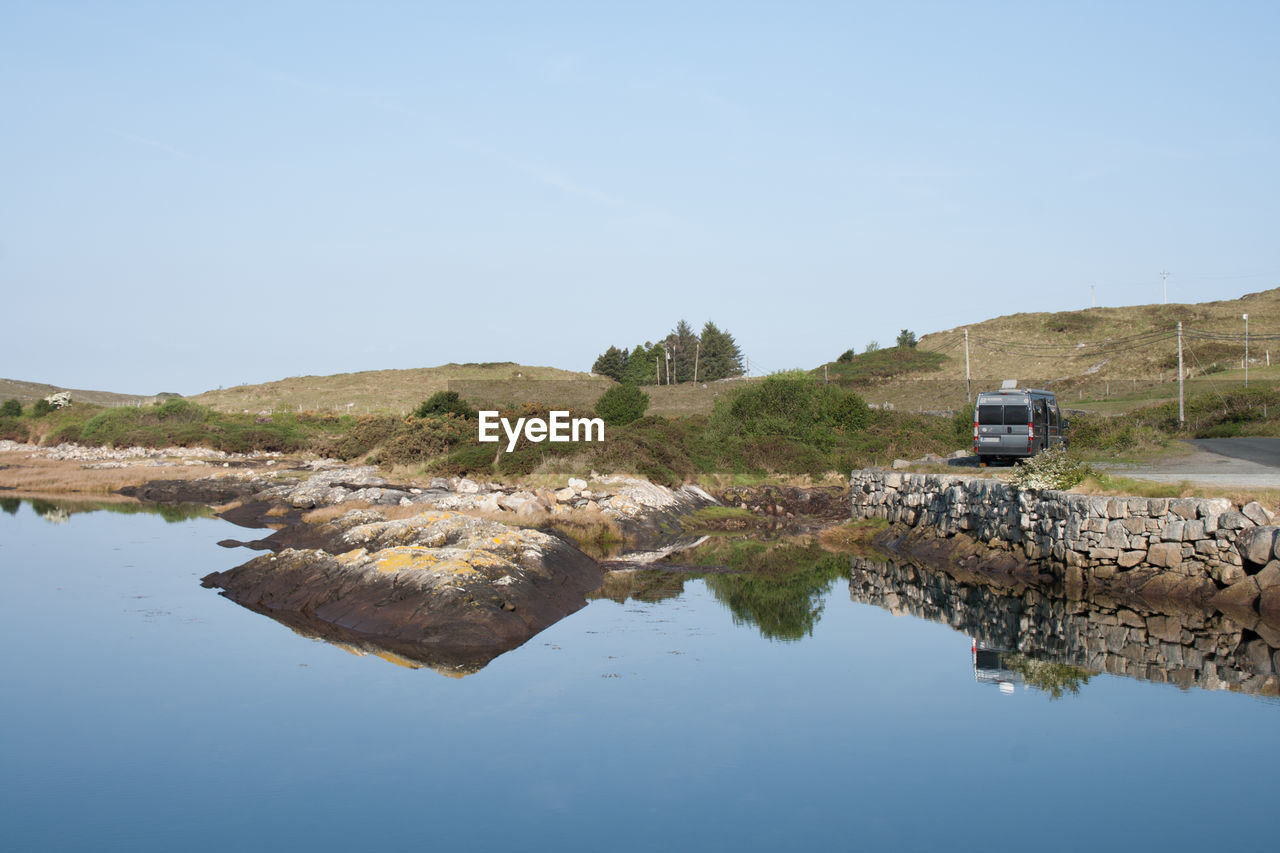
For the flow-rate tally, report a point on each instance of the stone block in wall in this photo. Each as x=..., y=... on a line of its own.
x=1233, y=520
x=1166, y=554
x=1172, y=531
x=1097, y=508
x=1129, y=559
x=1097, y=525
x=1256, y=544
x=1207, y=548
x=1117, y=508
x=1184, y=507
x=1214, y=506
x=1257, y=513
x=1157, y=507
x=1115, y=536
x=1103, y=553
x=1135, y=525
x=1193, y=530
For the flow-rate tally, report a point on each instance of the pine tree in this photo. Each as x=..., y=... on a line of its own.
x=720, y=357
x=682, y=344
x=612, y=363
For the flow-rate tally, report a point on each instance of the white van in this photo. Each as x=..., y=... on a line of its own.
x=1016, y=423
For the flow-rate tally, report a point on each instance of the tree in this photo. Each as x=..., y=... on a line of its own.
x=612, y=363
x=845, y=357
x=720, y=357
x=872, y=346
x=906, y=338
x=41, y=408
x=641, y=365
x=683, y=345
x=622, y=404
x=11, y=409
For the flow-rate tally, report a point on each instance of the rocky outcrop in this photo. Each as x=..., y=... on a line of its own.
x=441, y=589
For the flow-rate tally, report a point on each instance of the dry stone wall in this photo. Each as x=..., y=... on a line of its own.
x=1192, y=548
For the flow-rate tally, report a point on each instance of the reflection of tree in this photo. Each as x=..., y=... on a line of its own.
x=61, y=511
x=780, y=587
x=1052, y=678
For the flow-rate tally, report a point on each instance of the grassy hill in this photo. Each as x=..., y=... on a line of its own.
x=490, y=385
x=29, y=392
x=1101, y=359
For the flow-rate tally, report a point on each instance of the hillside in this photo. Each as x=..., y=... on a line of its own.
x=1090, y=357
x=29, y=392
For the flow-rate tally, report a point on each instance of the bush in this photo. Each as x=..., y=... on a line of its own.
x=792, y=405
x=1052, y=469
x=444, y=403
x=845, y=357
x=11, y=409
x=906, y=338
x=622, y=404
x=41, y=408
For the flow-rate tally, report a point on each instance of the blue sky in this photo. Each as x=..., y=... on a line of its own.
x=205, y=194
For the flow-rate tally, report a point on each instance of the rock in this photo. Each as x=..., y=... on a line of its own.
x=1233, y=521
x=1183, y=507
x=576, y=484
x=1165, y=554
x=899, y=464
x=302, y=501
x=1257, y=513
x=1256, y=544
x=1116, y=536
x=467, y=487
x=1129, y=559
x=565, y=495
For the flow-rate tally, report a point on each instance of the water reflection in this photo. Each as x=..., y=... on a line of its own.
x=1053, y=643
x=60, y=511
x=778, y=586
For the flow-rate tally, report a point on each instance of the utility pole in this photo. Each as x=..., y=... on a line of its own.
x=1093, y=301
x=697, y=351
x=1182, y=416
x=667, y=357
x=657, y=371
x=1246, y=350
x=1164, y=279
x=968, y=393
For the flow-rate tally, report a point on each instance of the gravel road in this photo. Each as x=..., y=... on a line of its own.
x=1253, y=462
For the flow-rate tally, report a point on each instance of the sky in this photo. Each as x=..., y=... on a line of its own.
x=197, y=195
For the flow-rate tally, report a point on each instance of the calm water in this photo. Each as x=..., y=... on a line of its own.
x=143, y=712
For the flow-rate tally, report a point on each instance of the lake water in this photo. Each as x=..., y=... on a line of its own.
x=144, y=712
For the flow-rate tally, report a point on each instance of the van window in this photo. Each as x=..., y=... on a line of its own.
x=991, y=415
x=1015, y=415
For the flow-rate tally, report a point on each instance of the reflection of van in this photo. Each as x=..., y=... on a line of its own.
x=1015, y=423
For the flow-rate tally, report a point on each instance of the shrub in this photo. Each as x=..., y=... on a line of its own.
x=11, y=409
x=906, y=338
x=444, y=403
x=41, y=408
x=1052, y=469
x=845, y=357
x=622, y=404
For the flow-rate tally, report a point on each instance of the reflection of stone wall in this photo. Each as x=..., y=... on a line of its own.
x=1186, y=548
x=1187, y=649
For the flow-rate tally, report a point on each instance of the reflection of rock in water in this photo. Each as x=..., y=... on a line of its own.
x=439, y=589
x=1189, y=649
x=647, y=585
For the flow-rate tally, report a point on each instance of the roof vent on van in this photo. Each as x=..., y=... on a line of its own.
x=1008, y=384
